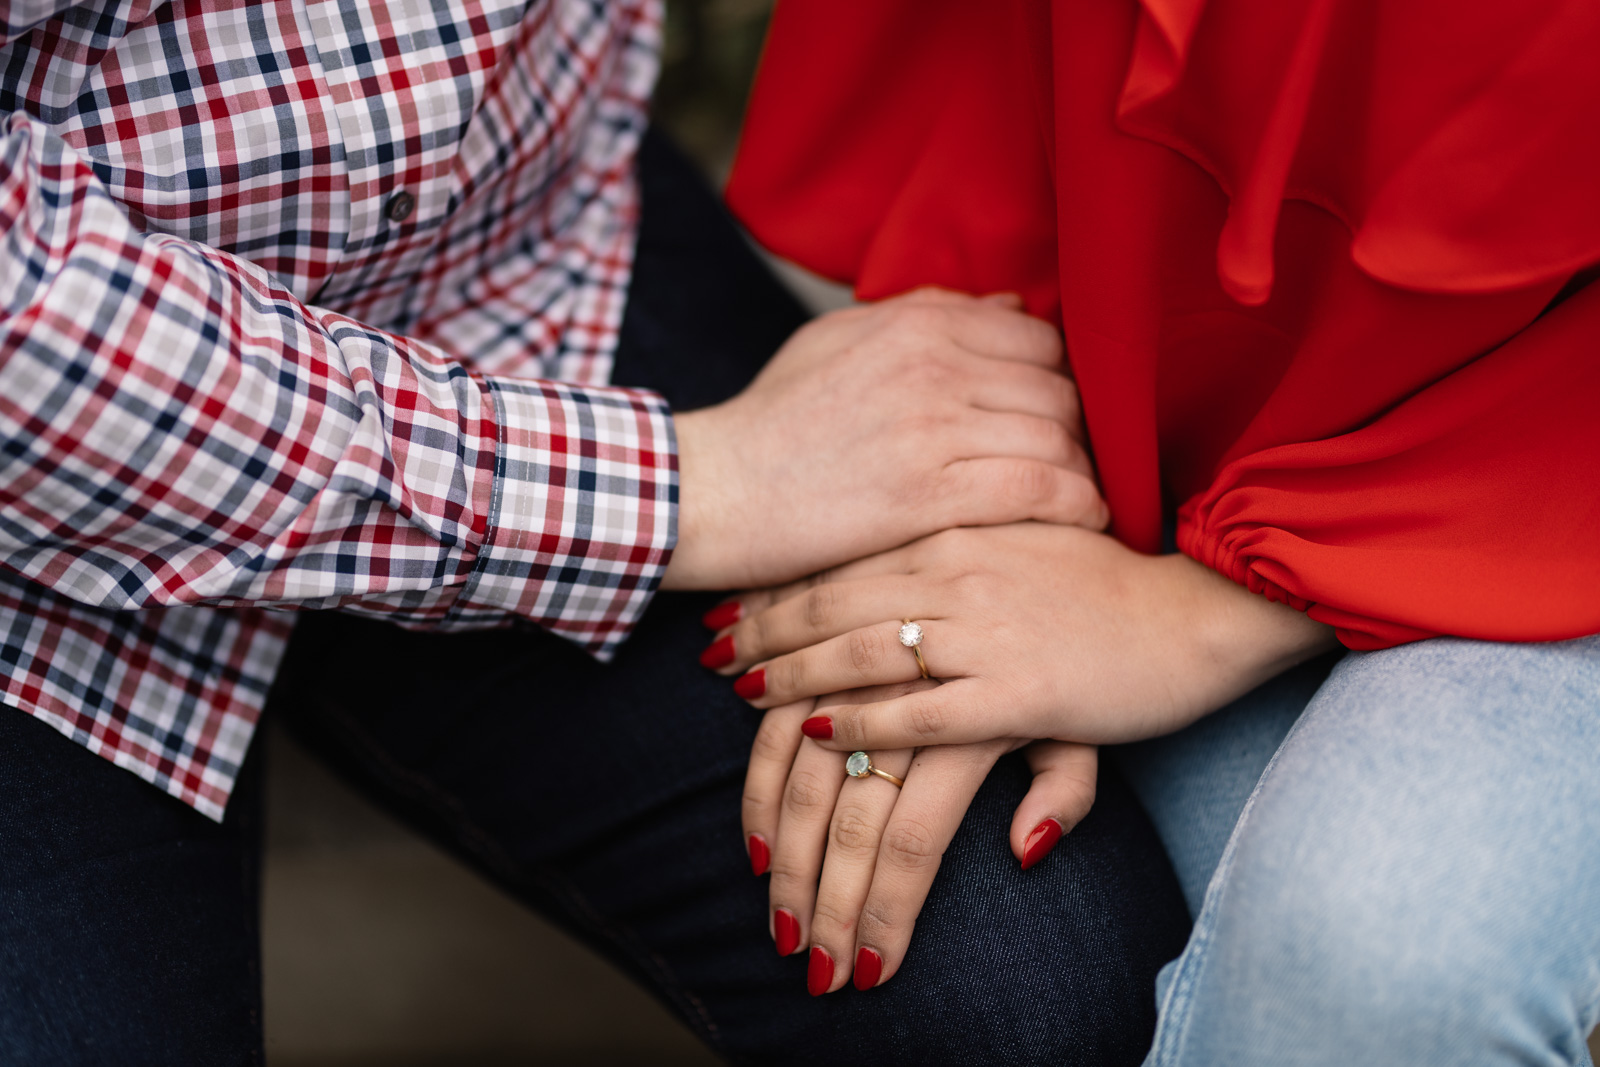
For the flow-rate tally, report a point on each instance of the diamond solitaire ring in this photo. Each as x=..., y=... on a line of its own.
x=911, y=637
x=859, y=765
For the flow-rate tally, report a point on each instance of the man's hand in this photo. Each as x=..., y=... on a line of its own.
x=874, y=426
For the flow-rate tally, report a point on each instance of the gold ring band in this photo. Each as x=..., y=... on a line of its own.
x=911, y=636
x=859, y=765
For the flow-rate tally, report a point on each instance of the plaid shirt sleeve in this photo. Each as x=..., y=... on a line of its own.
x=17, y=17
x=179, y=429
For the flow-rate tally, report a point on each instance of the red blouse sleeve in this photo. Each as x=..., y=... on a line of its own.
x=1472, y=508
x=1262, y=181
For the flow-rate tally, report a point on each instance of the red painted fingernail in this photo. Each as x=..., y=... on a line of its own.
x=718, y=654
x=752, y=685
x=869, y=965
x=722, y=615
x=1040, y=842
x=785, y=931
x=818, y=726
x=760, y=855
x=819, y=972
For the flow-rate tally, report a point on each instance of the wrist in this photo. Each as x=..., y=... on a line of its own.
x=1241, y=638
x=702, y=558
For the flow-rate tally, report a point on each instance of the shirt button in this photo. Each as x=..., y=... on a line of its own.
x=399, y=207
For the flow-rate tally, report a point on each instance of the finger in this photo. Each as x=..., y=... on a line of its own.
x=932, y=296
x=870, y=655
x=1021, y=437
x=939, y=787
x=823, y=611
x=1007, y=300
x=1000, y=333
x=953, y=714
x=984, y=327
x=853, y=837
x=809, y=795
x=995, y=491
x=1028, y=390
x=771, y=756
x=1064, y=778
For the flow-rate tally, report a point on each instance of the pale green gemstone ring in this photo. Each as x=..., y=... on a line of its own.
x=859, y=765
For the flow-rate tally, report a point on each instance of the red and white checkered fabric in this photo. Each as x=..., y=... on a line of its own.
x=310, y=303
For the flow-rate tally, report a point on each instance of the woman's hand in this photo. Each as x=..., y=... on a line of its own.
x=852, y=860
x=1036, y=630
x=874, y=426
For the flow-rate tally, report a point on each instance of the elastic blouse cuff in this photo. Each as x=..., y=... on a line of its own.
x=1244, y=553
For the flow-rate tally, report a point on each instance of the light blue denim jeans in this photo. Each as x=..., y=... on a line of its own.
x=1397, y=862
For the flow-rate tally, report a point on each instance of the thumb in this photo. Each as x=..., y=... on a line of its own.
x=1064, y=775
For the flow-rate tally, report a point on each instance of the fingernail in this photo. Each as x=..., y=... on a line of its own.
x=785, y=931
x=818, y=726
x=1040, y=842
x=719, y=653
x=819, y=972
x=760, y=855
x=752, y=685
x=869, y=966
x=722, y=615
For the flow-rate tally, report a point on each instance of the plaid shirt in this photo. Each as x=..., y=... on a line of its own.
x=310, y=304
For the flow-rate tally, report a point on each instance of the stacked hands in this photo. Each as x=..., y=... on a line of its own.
x=924, y=459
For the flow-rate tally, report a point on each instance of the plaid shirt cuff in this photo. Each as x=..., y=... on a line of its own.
x=584, y=516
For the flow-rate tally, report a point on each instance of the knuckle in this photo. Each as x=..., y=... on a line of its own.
x=753, y=802
x=772, y=743
x=926, y=719
x=878, y=923
x=946, y=544
x=786, y=675
x=1026, y=483
x=914, y=316
x=825, y=914
x=970, y=587
x=864, y=648
x=751, y=636
x=821, y=607
x=910, y=845
x=915, y=431
x=1055, y=438
x=853, y=832
x=785, y=872
x=806, y=793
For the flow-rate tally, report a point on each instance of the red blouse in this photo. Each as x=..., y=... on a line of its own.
x=1323, y=266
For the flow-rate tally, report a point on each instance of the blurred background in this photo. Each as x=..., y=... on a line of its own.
x=378, y=949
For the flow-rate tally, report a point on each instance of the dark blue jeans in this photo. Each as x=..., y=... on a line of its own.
x=605, y=796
